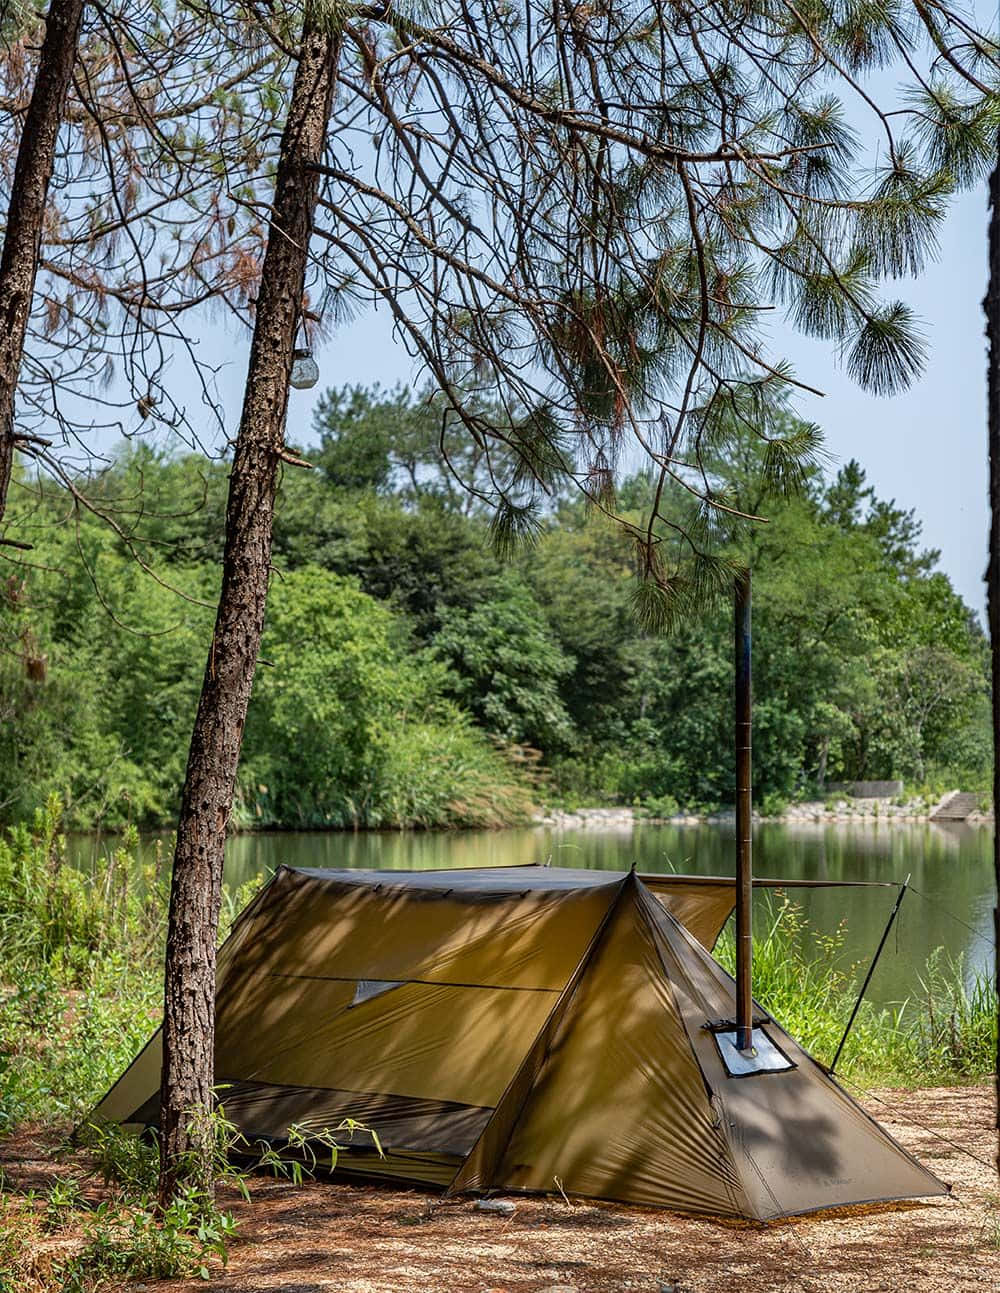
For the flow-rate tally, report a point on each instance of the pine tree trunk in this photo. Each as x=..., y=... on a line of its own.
x=992, y=308
x=189, y=998
x=26, y=212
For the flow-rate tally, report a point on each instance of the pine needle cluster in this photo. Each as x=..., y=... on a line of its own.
x=582, y=218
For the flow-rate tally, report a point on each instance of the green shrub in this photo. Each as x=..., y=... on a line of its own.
x=127, y=1162
x=583, y=780
x=63, y=1197
x=443, y=773
x=505, y=666
x=660, y=806
x=136, y=1242
x=349, y=728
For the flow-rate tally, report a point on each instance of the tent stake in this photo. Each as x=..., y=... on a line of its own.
x=871, y=971
x=744, y=845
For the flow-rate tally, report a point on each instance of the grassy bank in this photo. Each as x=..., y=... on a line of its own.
x=80, y=969
x=945, y=1032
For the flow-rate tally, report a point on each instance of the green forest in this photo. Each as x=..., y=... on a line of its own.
x=412, y=676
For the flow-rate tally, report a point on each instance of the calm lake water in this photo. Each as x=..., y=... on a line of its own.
x=951, y=872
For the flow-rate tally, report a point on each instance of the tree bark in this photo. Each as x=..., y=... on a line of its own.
x=186, y=1150
x=26, y=211
x=991, y=306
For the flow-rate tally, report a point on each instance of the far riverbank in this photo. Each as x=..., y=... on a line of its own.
x=826, y=812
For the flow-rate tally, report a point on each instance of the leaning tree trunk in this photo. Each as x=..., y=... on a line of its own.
x=189, y=998
x=992, y=308
x=26, y=212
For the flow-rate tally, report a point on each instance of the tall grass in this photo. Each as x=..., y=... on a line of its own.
x=56, y=915
x=945, y=1031
x=80, y=969
x=437, y=775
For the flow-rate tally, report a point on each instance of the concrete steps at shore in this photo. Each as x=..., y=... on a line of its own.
x=955, y=807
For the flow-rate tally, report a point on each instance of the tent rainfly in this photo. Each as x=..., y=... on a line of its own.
x=526, y=1029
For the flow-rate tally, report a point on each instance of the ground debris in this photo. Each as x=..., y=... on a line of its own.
x=501, y=1206
x=343, y=1238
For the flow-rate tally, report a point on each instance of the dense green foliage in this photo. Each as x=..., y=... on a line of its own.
x=867, y=665
x=402, y=657
x=353, y=721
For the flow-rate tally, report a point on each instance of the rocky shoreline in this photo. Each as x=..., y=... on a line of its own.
x=823, y=812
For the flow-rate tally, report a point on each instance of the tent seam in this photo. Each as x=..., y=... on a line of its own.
x=575, y=978
x=715, y=1099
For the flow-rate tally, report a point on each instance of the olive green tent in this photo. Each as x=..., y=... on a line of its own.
x=526, y=1028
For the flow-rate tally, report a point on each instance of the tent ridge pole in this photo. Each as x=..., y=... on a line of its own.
x=744, y=843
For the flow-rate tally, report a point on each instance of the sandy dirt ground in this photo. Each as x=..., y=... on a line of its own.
x=360, y=1239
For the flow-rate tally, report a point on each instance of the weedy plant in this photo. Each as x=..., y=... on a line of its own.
x=125, y=1163
x=135, y=1242
x=300, y=1154
x=302, y=1151
x=956, y=1025
x=989, y=1231
x=127, y=1237
x=64, y=1197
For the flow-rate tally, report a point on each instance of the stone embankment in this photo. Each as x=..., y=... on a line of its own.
x=600, y=819
x=871, y=810
x=832, y=810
